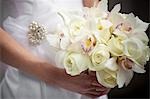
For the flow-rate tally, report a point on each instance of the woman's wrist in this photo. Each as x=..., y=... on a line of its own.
x=48, y=73
x=55, y=76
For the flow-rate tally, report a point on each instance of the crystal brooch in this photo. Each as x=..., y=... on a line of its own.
x=37, y=33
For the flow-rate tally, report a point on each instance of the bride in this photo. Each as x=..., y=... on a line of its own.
x=33, y=60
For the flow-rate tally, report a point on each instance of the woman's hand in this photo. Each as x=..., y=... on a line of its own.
x=85, y=84
x=15, y=55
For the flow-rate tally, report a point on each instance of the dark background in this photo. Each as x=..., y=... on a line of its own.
x=139, y=86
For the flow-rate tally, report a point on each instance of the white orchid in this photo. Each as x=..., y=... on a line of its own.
x=128, y=26
x=126, y=70
x=59, y=39
x=100, y=10
x=100, y=28
x=124, y=77
x=88, y=43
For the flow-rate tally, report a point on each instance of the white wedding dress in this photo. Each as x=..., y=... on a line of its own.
x=17, y=84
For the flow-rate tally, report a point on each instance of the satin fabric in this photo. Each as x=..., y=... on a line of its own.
x=17, y=84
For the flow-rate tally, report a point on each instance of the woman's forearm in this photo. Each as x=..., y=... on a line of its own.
x=15, y=55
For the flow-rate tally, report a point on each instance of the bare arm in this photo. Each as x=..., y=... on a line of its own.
x=15, y=55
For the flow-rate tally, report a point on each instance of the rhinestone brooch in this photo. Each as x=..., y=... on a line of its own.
x=37, y=33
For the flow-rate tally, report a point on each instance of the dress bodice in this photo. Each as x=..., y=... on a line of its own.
x=70, y=4
x=16, y=84
x=16, y=8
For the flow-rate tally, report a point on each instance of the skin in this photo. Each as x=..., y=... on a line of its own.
x=18, y=57
x=89, y=3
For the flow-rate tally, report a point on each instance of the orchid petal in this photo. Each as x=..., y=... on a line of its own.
x=106, y=23
x=116, y=19
x=111, y=64
x=53, y=40
x=121, y=77
x=140, y=25
x=103, y=5
x=129, y=78
x=75, y=47
x=64, y=43
x=116, y=8
x=138, y=69
x=131, y=19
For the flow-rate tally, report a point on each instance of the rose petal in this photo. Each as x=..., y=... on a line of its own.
x=76, y=63
x=101, y=76
x=141, y=36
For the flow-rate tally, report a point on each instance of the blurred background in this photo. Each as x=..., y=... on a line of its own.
x=139, y=86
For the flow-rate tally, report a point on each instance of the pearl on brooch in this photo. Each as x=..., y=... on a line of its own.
x=37, y=33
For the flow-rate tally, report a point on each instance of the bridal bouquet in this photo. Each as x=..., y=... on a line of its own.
x=112, y=44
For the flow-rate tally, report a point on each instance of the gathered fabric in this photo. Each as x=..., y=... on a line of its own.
x=17, y=84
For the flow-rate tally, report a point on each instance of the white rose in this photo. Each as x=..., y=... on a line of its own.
x=74, y=23
x=115, y=46
x=99, y=56
x=107, y=78
x=137, y=51
x=77, y=29
x=74, y=63
x=133, y=48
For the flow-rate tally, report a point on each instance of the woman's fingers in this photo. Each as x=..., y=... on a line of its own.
x=106, y=92
x=92, y=73
x=96, y=83
x=96, y=91
x=87, y=84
